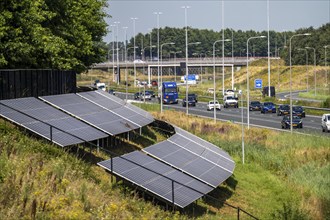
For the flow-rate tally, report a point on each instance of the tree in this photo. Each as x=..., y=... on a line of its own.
x=60, y=34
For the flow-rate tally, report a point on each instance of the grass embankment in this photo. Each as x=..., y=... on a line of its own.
x=42, y=181
x=284, y=175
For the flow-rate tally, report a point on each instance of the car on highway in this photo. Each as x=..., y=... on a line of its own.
x=230, y=101
x=210, y=90
x=142, y=95
x=298, y=110
x=152, y=93
x=268, y=107
x=283, y=110
x=325, y=123
x=296, y=122
x=193, y=96
x=229, y=92
x=255, y=106
x=191, y=101
x=139, y=61
x=211, y=105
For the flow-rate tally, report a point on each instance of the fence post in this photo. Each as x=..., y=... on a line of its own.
x=51, y=133
x=111, y=169
x=173, y=193
x=238, y=209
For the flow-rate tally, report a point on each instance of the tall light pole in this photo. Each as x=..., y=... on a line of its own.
x=223, y=46
x=306, y=52
x=290, y=49
x=134, y=19
x=186, y=25
x=247, y=79
x=314, y=68
x=161, y=72
x=125, y=57
x=268, y=48
x=113, y=51
x=232, y=45
x=187, y=72
x=117, y=24
x=278, y=64
x=150, y=29
x=214, y=90
x=175, y=52
x=325, y=64
x=143, y=50
x=158, y=13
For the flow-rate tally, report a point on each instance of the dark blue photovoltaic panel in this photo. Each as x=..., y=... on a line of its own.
x=157, y=178
x=189, y=162
x=43, y=120
x=118, y=106
x=127, y=105
x=91, y=113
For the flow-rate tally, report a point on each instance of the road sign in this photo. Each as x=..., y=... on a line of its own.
x=258, y=83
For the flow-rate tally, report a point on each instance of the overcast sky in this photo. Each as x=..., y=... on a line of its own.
x=238, y=15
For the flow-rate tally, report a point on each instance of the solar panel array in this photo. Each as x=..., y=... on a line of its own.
x=92, y=114
x=195, y=157
x=157, y=178
x=39, y=116
x=118, y=107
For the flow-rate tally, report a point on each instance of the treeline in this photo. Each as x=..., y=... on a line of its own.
x=61, y=34
x=279, y=43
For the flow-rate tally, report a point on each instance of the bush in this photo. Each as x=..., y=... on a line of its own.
x=326, y=103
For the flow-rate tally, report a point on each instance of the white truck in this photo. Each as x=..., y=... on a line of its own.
x=100, y=86
x=230, y=101
x=211, y=105
x=325, y=122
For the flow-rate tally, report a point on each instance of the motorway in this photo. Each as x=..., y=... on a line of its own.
x=311, y=124
x=295, y=96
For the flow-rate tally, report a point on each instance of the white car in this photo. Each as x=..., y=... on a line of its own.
x=211, y=105
x=210, y=90
x=139, y=61
x=325, y=122
x=230, y=92
x=230, y=101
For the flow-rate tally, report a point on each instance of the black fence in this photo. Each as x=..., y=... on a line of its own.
x=35, y=82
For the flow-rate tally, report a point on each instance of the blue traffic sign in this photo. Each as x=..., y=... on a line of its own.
x=258, y=83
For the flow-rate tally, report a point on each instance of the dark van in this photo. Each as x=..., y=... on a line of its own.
x=265, y=91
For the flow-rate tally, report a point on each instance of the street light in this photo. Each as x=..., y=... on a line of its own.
x=186, y=25
x=325, y=64
x=126, y=78
x=314, y=68
x=306, y=52
x=214, y=91
x=175, y=61
x=158, y=13
x=161, y=72
x=278, y=63
x=296, y=35
x=143, y=50
x=187, y=71
x=247, y=79
x=113, y=51
x=134, y=19
x=150, y=29
x=117, y=23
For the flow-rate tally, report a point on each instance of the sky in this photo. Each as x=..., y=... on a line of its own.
x=284, y=15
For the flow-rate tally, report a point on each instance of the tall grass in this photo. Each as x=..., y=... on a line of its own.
x=299, y=162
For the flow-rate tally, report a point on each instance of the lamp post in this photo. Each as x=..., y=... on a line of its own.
x=186, y=25
x=247, y=79
x=158, y=13
x=175, y=52
x=214, y=91
x=306, y=52
x=117, y=24
x=161, y=72
x=314, y=68
x=199, y=55
x=278, y=64
x=134, y=19
x=143, y=50
x=126, y=78
x=113, y=51
x=296, y=35
x=150, y=29
x=125, y=56
x=187, y=72
x=325, y=64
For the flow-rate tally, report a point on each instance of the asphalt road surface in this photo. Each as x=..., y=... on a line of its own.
x=311, y=124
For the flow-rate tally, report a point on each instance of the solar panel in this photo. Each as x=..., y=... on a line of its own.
x=117, y=107
x=157, y=178
x=202, y=142
x=39, y=113
x=189, y=162
x=90, y=113
x=127, y=105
